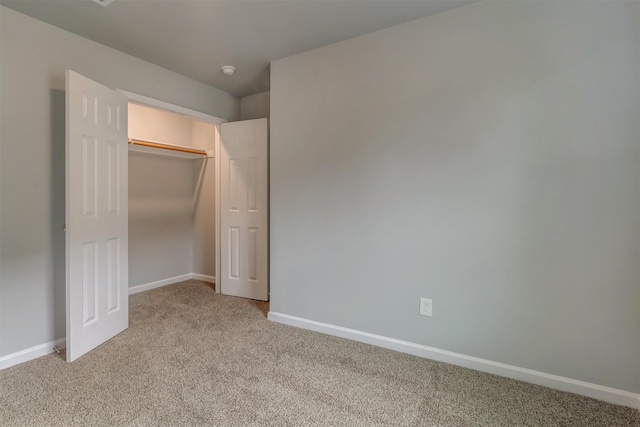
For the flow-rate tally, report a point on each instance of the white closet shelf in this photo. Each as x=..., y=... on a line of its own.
x=164, y=149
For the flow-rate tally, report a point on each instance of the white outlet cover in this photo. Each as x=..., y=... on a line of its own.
x=426, y=307
x=103, y=3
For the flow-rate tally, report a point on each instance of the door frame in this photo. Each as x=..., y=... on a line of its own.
x=203, y=117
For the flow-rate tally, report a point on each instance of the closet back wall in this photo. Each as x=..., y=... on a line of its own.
x=161, y=192
x=160, y=126
x=203, y=136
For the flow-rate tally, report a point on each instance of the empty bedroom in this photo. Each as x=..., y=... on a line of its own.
x=319, y=213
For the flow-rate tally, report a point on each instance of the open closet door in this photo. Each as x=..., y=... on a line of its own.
x=244, y=209
x=96, y=214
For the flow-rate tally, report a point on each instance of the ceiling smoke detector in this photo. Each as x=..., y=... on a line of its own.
x=228, y=70
x=103, y=3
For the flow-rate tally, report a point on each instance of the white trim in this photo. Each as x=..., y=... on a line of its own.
x=608, y=394
x=159, y=283
x=170, y=281
x=151, y=102
x=31, y=353
x=203, y=277
x=218, y=242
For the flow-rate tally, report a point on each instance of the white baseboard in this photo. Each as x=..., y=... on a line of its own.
x=170, y=281
x=46, y=348
x=203, y=277
x=31, y=353
x=159, y=283
x=607, y=394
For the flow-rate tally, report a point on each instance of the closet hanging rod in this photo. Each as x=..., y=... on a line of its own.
x=167, y=147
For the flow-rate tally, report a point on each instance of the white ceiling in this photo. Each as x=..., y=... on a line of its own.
x=196, y=37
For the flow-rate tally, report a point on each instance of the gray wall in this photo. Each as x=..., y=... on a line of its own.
x=161, y=190
x=255, y=106
x=33, y=58
x=171, y=200
x=204, y=202
x=160, y=199
x=485, y=157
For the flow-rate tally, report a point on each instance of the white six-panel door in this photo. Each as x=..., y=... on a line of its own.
x=96, y=214
x=244, y=209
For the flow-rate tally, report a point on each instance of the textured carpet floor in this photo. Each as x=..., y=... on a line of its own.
x=192, y=357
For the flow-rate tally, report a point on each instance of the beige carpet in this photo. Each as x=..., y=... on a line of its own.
x=191, y=357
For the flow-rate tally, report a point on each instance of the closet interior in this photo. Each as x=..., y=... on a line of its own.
x=171, y=197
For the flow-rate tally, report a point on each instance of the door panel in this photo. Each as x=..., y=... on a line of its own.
x=96, y=214
x=244, y=209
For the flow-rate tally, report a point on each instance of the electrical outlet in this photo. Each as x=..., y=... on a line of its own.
x=426, y=307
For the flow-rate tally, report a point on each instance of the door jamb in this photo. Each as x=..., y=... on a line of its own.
x=197, y=115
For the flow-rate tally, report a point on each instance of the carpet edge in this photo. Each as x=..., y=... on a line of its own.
x=596, y=391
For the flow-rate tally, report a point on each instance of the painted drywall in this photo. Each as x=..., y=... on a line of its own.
x=33, y=59
x=168, y=227
x=255, y=106
x=486, y=158
x=204, y=202
x=171, y=201
x=151, y=124
x=160, y=217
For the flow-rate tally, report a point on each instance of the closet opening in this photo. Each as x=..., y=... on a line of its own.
x=171, y=197
x=146, y=198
